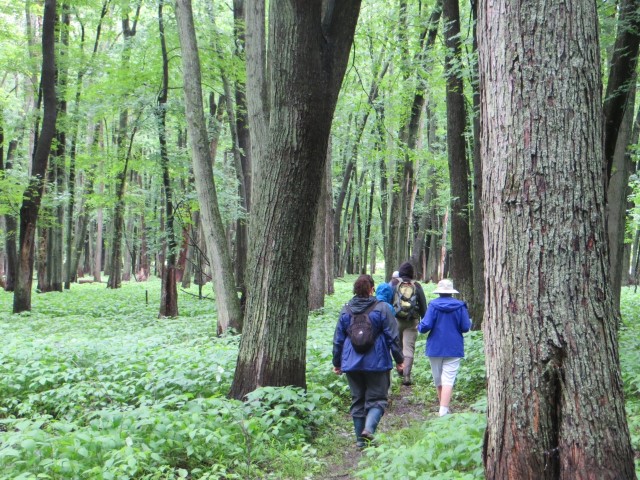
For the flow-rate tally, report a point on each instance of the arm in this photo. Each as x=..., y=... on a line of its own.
x=339, y=336
x=427, y=322
x=421, y=300
x=390, y=332
x=463, y=320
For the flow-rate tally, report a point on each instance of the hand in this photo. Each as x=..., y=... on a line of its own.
x=400, y=367
x=337, y=370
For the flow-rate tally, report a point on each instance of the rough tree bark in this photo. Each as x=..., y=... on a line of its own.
x=555, y=398
x=292, y=89
x=229, y=311
x=32, y=197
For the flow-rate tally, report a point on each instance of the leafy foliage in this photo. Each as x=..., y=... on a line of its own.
x=98, y=387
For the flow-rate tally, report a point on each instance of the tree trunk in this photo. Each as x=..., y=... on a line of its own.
x=555, y=399
x=290, y=115
x=621, y=74
x=618, y=117
x=115, y=270
x=329, y=264
x=10, y=223
x=477, y=237
x=229, y=311
x=461, y=265
x=617, y=193
x=33, y=194
x=169, y=296
x=318, y=266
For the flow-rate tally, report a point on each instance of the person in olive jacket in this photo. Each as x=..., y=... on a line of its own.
x=367, y=373
x=446, y=320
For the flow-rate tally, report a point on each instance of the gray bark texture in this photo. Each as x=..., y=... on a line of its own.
x=291, y=98
x=555, y=398
x=229, y=312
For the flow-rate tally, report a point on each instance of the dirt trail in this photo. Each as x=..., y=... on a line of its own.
x=404, y=410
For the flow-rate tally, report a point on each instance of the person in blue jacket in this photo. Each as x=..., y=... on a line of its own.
x=447, y=318
x=367, y=373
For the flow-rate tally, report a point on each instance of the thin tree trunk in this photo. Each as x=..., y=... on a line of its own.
x=329, y=265
x=477, y=237
x=318, y=266
x=617, y=192
x=169, y=295
x=229, y=311
x=461, y=264
x=33, y=194
x=115, y=270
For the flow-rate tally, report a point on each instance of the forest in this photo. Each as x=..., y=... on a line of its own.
x=189, y=189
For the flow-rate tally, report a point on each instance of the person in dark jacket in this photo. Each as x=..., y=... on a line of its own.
x=446, y=320
x=367, y=373
x=407, y=327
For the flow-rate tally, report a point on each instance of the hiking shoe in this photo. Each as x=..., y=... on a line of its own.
x=367, y=435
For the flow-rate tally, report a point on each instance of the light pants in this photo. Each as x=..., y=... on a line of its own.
x=407, y=333
x=444, y=370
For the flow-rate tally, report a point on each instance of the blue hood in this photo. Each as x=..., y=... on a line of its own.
x=447, y=304
x=384, y=293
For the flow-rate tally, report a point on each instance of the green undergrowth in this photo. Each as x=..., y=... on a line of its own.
x=94, y=386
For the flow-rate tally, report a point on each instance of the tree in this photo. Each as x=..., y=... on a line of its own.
x=292, y=89
x=229, y=312
x=461, y=265
x=32, y=197
x=618, y=118
x=169, y=295
x=555, y=400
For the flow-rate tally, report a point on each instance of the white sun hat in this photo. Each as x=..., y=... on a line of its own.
x=445, y=286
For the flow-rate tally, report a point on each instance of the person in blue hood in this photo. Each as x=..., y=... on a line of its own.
x=447, y=318
x=384, y=293
x=367, y=373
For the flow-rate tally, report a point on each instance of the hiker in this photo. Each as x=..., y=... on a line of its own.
x=410, y=305
x=368, y=372
x=446, y=320
x=384, y=293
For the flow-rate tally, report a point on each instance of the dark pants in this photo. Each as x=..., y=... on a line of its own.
x=368, y=390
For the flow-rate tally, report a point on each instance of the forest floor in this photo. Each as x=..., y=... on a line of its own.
x=405, y=408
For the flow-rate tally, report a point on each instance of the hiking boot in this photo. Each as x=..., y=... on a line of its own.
x=373, y=418
x=366, y=434
x=406, y=373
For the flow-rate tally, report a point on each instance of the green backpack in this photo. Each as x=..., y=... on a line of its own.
x=405, y=302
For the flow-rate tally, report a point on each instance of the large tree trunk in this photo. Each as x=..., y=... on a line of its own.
x=33, y=194
x=229, y=311
x=461, y=265
x=290, y=114
x=555, y=398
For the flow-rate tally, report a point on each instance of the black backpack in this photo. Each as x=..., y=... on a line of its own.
x=405, y=302
x=361, y=330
